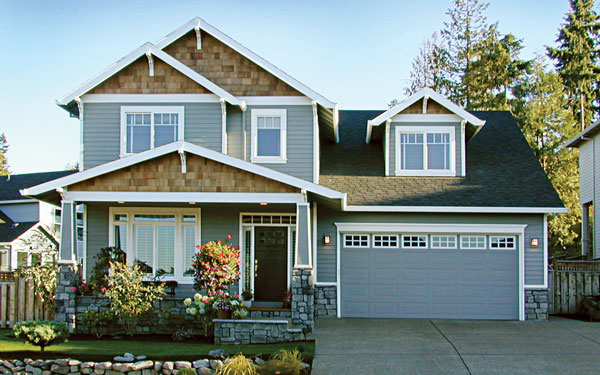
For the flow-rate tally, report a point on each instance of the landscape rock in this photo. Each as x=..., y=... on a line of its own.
x=215, y=364
x=122, y=367
x=46, y=372
x=201, y=363
x=74, y=362
x=87, y=371
x=259, y=361
x=157, y=366
x=142, y=365
x=218, y=353
x=33, y=370
x=205, y=371
x=56, y=368
x=87, y=364
x=103, y=365
x=61, y=362
x=183, y=364
x=168, y=366
x=135, y=372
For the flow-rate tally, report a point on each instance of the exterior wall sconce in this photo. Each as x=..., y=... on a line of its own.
x=535, y=242
x=263, y=203
x=326, y=240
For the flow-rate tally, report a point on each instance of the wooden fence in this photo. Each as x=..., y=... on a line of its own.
x=569, y=282
x=18, y=301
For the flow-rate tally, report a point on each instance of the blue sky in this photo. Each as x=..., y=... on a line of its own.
x=355, y=53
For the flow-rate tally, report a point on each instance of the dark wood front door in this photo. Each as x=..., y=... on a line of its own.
x=270, y=261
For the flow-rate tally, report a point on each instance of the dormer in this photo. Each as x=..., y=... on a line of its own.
x=424, y=135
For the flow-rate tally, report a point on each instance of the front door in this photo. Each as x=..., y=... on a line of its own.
x=270, y=262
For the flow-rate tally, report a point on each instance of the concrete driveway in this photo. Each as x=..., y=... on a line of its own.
x=406, y=346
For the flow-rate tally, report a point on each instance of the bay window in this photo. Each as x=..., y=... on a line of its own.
x=425, y=151
x=268, y=128
x=161, y=241
x=144, y=128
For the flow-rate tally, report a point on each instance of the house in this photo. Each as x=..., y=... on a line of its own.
x=586, y=142
x=423, y=211
x=20, y=217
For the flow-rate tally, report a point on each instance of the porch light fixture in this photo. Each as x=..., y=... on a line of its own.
x=121, y=202
x=535, y=242
x=326, y=240
x=263, y=203
x=192, y=203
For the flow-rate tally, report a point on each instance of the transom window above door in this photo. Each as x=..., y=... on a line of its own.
x=425, y=151
x=144, y=128
x=269, y=136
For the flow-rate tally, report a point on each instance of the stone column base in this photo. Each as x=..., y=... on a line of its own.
x=66, y=306
x=536, y=304
x=303, y=298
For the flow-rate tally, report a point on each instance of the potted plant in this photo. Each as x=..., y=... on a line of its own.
x=224, y=303
x=247, y=297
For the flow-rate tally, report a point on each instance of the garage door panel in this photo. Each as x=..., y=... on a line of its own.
x=416, y=283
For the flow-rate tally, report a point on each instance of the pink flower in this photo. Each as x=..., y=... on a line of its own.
x=74, y=288
x=229, y=236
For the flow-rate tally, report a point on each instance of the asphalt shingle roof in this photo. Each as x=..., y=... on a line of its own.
x=10, y=186
x=10, y=231
x=502, y=170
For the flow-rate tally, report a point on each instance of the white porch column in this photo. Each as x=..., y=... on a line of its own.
x=68, y=232
x=303, y=237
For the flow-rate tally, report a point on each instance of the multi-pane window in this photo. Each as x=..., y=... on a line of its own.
x=472, y=242
x=503, y=242
x=384, y=240
x=356, y=240
x=189, y=243
x=443, y=241
x=412, y=241
x=424, y=150
x=144, y=128
x=269, y=135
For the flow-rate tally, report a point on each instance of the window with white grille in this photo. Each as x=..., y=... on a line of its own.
x=385, y=240
x=443, y=242
x=356, y=240
x=472, y=242
x=413, y=241
x=503, y=242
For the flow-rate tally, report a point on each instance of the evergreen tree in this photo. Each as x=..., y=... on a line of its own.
x=3, y=150
x=541, y=111
x=429, y=68
x=577, y=59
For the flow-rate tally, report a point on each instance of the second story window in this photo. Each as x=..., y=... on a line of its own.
x=426, y=151
x=143, y=128
x=269, y=136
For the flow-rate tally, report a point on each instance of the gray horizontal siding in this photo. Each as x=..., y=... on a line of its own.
x=586, y=166
x=96, y=233
x=235, y=133
x=326, y=255
x=299, y=140
x=393, y=150
x=21, y=212
x=102, y=128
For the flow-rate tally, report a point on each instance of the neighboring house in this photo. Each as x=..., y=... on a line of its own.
x=424, y=210
x=588, y=143
x=21, y=216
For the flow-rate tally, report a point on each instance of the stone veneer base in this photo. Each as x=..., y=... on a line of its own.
x=255, y=331
x=536, y=304
x=325, y=301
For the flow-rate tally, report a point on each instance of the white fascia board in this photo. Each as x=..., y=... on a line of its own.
x=236, y=46
x=276, y=100
x=177, y=197
x=425, y=92
x=430, y=228
x=150, y=98
x=137, y=53
x=182, y=146
x=18, y=201
x=459, y=209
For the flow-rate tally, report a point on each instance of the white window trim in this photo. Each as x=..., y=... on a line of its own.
x=180, y=110
x=399, y=129
x=179, y=224
x=463, y=247
x=255, y=113
x=354, y=246
x=386, y=247
x=415, y=247
x=444, y=247
x=513, y=247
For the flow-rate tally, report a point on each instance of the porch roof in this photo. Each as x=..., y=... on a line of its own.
x=50, y=191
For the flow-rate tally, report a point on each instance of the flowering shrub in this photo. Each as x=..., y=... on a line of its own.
x=216, y=265
x=200, y=308
x=84, y=289
x=225, y=301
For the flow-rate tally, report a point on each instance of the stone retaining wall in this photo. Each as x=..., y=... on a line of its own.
x=75, y=367
x=536, y=304
x=325, y=301
x=269, y=314
x=251, y=331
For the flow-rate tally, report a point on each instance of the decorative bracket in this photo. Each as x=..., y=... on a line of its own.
x=62, y=192
x=183, y=161
x=79, y=107
x=150, y=63
x=425, y=99
x=198, y=36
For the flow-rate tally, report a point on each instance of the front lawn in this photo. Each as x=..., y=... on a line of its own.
x=106, y=349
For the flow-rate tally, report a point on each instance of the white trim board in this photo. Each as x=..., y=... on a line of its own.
x=423, y=93
x=150, y=98
x=175, y=197
x=182, y=146
x=458, y=209
x=200, y=24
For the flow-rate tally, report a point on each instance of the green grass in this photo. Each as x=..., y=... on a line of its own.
x=106, y=349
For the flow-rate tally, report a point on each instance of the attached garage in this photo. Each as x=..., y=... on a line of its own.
x=463, y=274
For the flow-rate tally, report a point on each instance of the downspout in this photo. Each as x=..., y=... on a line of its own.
x=244, y=135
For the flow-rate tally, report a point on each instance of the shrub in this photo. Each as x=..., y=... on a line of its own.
x=42, y=333
x=186, y=371
x=129, y=295
x=237, y=365
x=200, y=308
x=284, y=362
x=101, y=266
x=176, y=323
x=97, y=322
x=216, y=265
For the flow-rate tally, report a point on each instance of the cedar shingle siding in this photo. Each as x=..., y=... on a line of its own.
x=163, y=174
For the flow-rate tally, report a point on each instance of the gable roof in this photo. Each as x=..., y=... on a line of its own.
x=182, y=146
x=148, y=48
x=11, y=231
x=423, y=93
x=503, y=173
x=198, y=23
x=11, y=185
x=588, y=132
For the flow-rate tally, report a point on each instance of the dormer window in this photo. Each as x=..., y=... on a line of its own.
x=425, y=151
x=269, y=136
x=144, y=128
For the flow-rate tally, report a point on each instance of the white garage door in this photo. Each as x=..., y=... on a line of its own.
x=404, y=282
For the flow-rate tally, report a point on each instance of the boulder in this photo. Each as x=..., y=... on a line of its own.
x=122, y=367
x=56, y=368
x=169, y=366
x=259, y=361
x=157, y=366
x=216, y=364
x=201, y=363
x=33, y=370
x=205, y=371
x=218, y=353
x=142, y=365
x=103, y=365
x=183, y=364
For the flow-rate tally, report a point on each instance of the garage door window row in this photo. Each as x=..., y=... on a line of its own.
x=433, y=241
